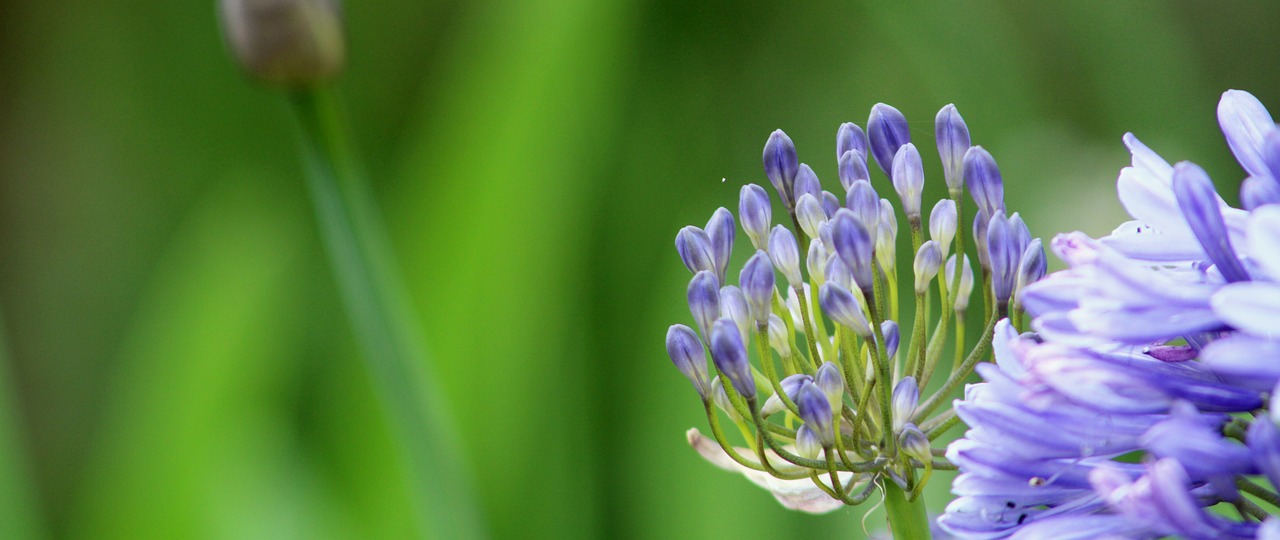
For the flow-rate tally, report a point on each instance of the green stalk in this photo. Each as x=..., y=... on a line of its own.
x=907, y=518
x=383, y=324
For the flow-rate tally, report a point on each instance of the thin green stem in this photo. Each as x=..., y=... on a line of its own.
x=907, y=518
x=809, y=336
x=384, y=326
x=957, y=377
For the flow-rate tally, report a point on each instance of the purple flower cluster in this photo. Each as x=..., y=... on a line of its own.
x=1144, y=396
x=832, y=407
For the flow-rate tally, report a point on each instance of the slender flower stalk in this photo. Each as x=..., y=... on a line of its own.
x=298, y=46
x=831, y=411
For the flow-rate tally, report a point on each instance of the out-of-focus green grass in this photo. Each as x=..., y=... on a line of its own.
x=179, y=362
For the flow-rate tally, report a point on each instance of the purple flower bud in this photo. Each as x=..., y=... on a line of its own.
x=887, y=235
x=733, y=304
x=791, y=384
x=865, y=204
x=1021, y=234
x=704, y=300
x=915, y=444
x=806, y=183
x=807, y=443
x=888, y=131
x=785, y=255
x=810, y=214
x=816, y=262
x=851, y=168
x=837, y=272
x=828, y=379
x=830, y=203
x=1257, y=191
x=980, y=224
x=928, y=261
x=855, y=248
x=687, y=354
x=731, y=357
x=892, y=337
x=983, y=179
x=756, y=213
x=781, y=164
x=908, y=179
x=906, y=395
x=756, y=281
x=1032, y=266
x=850, y=137
x=843, y=308
x=1245, y=122
x=942, y=224
x=694, y=247
x=815, y=410
x=1003, y=254
x=779, y=336
x=953, y=142
x=1199, y=204
x=721, y=233
x=966, y=282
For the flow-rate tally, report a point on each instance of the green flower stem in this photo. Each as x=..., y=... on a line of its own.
x=809, y=336
x=958, y=376
x=383, y=324
x=907, y=518
x=893, y=292
x=766, y=360
x=916, y=360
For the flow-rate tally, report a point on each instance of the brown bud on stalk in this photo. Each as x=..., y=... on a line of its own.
x=286, y=42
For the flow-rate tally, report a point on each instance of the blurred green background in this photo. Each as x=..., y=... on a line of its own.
x=178, y=363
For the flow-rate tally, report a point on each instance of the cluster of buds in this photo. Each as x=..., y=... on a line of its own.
x=832, y=408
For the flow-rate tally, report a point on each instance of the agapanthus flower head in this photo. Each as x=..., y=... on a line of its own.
x=1160, y=341
x=834, y=409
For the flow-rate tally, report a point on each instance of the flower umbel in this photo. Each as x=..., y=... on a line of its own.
x=1146, y=394
x=831, y=409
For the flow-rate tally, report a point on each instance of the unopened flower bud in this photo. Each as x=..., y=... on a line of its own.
x=722, y=399
x=887, y=236
x=810, y=214
x=850, y=137
x=694, y=247
x=806, y=183
x=1032, y=266
x=892, y=337
x=290, y=43
x=843, y=308
x=830, y=203
x=908, y=179
x=733, y=304
x=779, y=336
x=781, y=165
x=785, y=255
x=942, y=224
x=863, y=201
x=730, y=357
x=906, y=395
x=1257, y=191
x=953, y=142
x=756, y=213
x=853, y=244
x=887, y=130
x=815, y=410
x=982, y=176
x=757, y=282
x=838, y=273
x=721, y=232
x=928, y=261
x=687, y=354
x=828, y=379
x=816, y=261
x=791, y=384
x=915, y=444
x=704, y=300
x=1003, y=255
x=965, y=288
x=851, y=168
x=980, y=224
x=807, y=443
